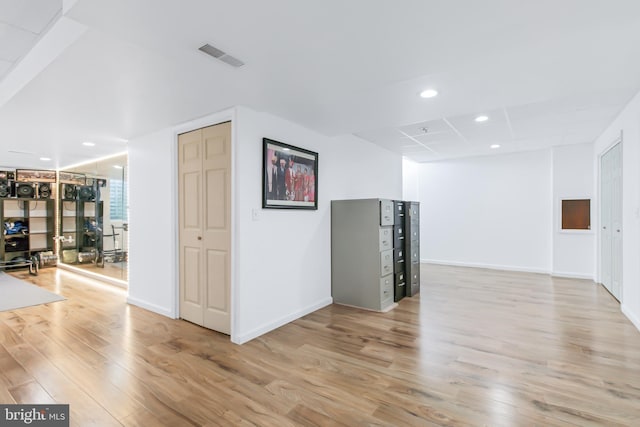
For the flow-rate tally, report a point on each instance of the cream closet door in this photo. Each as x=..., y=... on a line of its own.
x=204, y=157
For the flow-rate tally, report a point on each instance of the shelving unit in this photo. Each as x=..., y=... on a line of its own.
x=35, y=233
x=68, y=232
x=81, y=227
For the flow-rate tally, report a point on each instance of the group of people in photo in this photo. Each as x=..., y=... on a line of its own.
x=291, y=179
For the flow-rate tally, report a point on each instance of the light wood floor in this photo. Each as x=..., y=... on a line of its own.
x=476, y=347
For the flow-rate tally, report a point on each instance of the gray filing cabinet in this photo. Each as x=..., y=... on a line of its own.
x=362, y=253
x=412, y=247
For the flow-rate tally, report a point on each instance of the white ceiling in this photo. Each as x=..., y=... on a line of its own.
x=22, y=23
x=545, y=72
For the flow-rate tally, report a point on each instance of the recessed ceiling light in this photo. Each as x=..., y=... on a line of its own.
x=117, y=166
x=429, y=93
x=494, y=146
x=45, y=159
x=285, y=149
x=88, y=144
x=481, y=119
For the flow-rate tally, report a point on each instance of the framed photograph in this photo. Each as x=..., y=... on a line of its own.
x=289, y=176
x=72, y=178
x=29, y=175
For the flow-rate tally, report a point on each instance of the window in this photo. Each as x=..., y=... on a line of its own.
x=117, y=200
x=576, y=214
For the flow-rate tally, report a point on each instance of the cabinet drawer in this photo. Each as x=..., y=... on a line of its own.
x=398, y=213
x=400, y=281
x=386, y=212
x=398, y=219
x=386, y=290
x=414, y=212
x=411, y=244
x=414, y=233
x=411, y=268
x=399, y=291
x=386, y=262
x=413, y=286
x=415, y=255
x=386, y=238
x=398, y=235
x=415, y=274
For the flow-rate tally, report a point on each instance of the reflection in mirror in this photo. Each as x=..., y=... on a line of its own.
x=93, y=217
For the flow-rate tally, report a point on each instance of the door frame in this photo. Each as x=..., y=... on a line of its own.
x=616, y=141
x=206, y=121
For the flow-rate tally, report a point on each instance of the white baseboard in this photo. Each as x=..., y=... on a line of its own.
x=243, y=338
x=488, y=266
x=573, y=275
x=630, y=316
x=151, y=307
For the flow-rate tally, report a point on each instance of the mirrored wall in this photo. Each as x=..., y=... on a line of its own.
x=93, y=217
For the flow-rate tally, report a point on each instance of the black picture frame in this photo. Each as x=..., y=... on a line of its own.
x=289, y=176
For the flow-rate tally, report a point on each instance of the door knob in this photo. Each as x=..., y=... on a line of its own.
x=618, y=231
x=199, y=238
x=604, y=228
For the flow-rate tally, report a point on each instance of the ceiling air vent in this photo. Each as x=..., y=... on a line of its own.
x=222, y=56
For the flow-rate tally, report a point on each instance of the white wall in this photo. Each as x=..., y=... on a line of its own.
x=493, y=212
x=283, y=268
x=152, y=240
x=410, y=180
x=573, y=254
x=282, y=260
x=628, y=122
x=358, y=169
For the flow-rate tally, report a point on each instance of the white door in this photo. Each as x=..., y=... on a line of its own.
x=204, y=157
x=611, y=220
x=616, y=223
x=605, y=219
